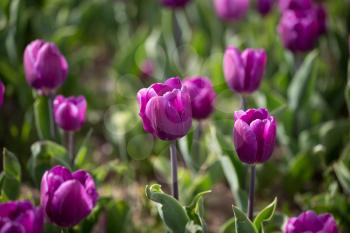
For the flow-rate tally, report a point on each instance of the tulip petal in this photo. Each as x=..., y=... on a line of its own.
x=12, y=227
x=245, y=142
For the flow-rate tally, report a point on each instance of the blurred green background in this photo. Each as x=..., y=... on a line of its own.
x=106, y=43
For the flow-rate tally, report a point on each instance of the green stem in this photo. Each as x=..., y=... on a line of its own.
x=52, y=120
x=173, y=160
x=70, y=146
x=251, y=193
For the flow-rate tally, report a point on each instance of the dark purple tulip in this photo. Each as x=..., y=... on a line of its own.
x=147, y=69
x=202, y=96
x=265, y=6
x=299, y=30
x=229, y=10
x=254, y=135
x=244, y=71
x=174, y=3
x=310, y=222
x=2, y=93
x=295, y=5
x=44, y=65
x=20, y=217
x=165, y=109
x=321, y=15
x=70, y=112
x=67, y=198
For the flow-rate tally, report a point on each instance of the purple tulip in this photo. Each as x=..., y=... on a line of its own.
x=67, y=198
x=165, y=109
x=202, y=96
x=174, y=3
x=2, y=93
x=244, y=71
x=254, y=135
x=70, y=112
x=44, y=65
x=147, y=69
x=310, y=222
x=20, y=217
x=295, y=5
x=299, y=30
x=229, y=10
x=265, y=6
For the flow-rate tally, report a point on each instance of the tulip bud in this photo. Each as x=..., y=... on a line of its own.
x=147, y=69
x=299, y=30
x=67, y=198
x=244, y=71
x=20, y=217
x=2, y=93
x=229, y=10
x=309, y=221
x=44, y=66
x=265, y=6
x=165, y=109
x=254, y=135
x=298, y=5
x=70, y=112
x=174, y=3
x=202, y=96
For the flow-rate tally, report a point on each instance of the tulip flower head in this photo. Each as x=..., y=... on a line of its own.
x=165, y=109
x=175, y=3
x=70, y=112
x=230, y=10
x=2, y=93
x=67, y=198
x=310, y=222
x=202, y=96
x=295, y=5
x=45, y=67
x=265, y=6
x=20, y=217
x=254, y=135
x=244, y=71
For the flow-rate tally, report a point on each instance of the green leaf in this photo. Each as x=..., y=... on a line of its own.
x=228, y=227
x=343, y=175
x=12, y=166
x=170, y=210
x=243, y=224
x=298, y=86
x=117, y=215
x=265, y=215
x=42, y=117
x=194, y=210
x=10, y=187
x=83, y=150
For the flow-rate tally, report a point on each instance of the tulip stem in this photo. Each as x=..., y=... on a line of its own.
x=251, y=192
x=244, y=104
x=70, y=146
x=173, y=160
x=196, y=144
x=51, y=113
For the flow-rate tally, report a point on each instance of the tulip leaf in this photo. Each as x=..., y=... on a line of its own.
x=117, y=214
x=195, y=210
x=83, y=150
x=228, y=227
x=243, y=224
x=10, y=186
x=343, y=175
x=170, y=210
x=11, y=165
x=298, y=86
x=42, y=120
x=265, y=215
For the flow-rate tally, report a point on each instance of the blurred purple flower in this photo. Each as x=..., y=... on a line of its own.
x=147, y=69
x=265, y=6
x=70, y=112
x=2, y=93
x=310, y=222
x=174, y=3
x=202, y=96
x=67, y=198
x=20, y=217
x=229, y=10
x=244, y=71
x=44, y=65
x=295, y=5
x=165, y=109
x=254, y=135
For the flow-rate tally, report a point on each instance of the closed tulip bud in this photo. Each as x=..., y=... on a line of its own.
x=265, y=6
x=45, y=67
x=298, y=5
x=20, y=217
x=244, y=71
x=299, y=30
x=202, y=96
x=165, y=109
x=2, y=93
x=70, y=112
x=67, y=198
x=174, y=3
x=310, y=222
x=229, y=10
x=254, y=135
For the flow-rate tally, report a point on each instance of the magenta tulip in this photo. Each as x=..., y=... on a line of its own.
x=229, y=10
x=265, y=6
x=174, y=3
